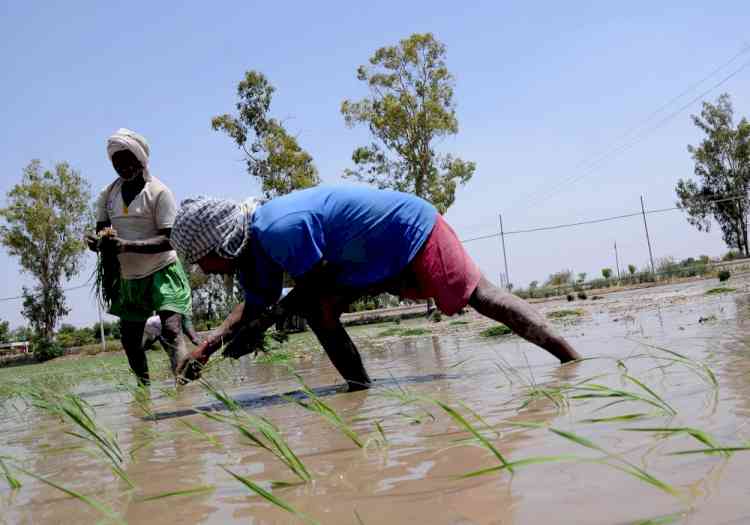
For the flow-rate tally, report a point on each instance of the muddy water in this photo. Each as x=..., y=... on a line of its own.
x=413, y=477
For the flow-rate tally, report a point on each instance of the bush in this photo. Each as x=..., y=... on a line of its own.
x=731, y=255
x=570, y=297
x=582, y=295
x=436, y=316
x=44, y=350
x=724, y=275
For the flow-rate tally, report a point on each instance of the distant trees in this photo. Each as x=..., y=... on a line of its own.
x=410, y=107
x=4, y=331
x=722, y=169
x=560, y=278
x=271, y=153
x=606, y=273
x=631, y=269
x=45, y=219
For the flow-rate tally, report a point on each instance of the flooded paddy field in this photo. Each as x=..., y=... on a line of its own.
x=461, y=427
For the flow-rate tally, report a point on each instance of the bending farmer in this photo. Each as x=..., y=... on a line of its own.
x=339, y=243
x=142, y=210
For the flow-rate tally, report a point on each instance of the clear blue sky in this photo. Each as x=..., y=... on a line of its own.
x=542, y=89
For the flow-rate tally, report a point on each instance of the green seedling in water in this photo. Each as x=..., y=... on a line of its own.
x=318, y=406
x=91, y=502
x=205, y=435
x=700, y=368
x=461, y=420
x=695, y=433
x=187, y=492
x=13, y=483
x=561, y=314
x=496, y=331
x=72, y=408
x=266, y=495
x=720, y=290
x=268, y=436
x=622, y=465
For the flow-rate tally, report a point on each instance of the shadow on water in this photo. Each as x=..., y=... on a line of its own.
x=249, y=401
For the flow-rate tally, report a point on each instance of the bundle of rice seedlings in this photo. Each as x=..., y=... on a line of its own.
x=107, y=273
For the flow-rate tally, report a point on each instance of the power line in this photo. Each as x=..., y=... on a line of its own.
x=596, y=161
x=18, y=297
x=574, y=178
x=593, y=221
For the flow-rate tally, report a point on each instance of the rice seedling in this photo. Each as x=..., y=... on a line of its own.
x=663, y=520
x=699, y=367
x=13, y=482
x=91, y=502
x=458, y=323
x=699, y=435
x=269, y=437
x=275, y=500
x=496, y=331
x=621, y=464
x=597, y=391
x=198, y=431
x=461, y=420
x=415, y=331
x=720, y=290
x=107, y=272
x=710, y=450
x=186, y=492
x=561, y=314
x=318, y=406
x=72, y=408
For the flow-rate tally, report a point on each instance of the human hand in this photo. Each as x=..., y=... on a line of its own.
x=92, y=241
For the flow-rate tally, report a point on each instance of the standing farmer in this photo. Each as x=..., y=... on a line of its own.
x=339, y=243
x=142, y=210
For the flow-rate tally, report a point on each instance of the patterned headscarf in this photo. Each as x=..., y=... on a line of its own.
x=205, y=224
x=127, y=140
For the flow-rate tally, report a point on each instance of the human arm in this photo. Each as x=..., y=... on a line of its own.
x=189, y=330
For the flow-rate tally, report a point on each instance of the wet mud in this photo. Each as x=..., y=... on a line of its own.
x=578, y=458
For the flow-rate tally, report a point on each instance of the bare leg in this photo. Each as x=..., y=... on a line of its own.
x=174, y=344
x=341, y=350
x=132, y=341
x=520, y=317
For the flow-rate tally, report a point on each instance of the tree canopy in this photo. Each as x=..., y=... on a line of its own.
x=722, y=170
x=410, y=107
x=271, y=153
x=46, y=216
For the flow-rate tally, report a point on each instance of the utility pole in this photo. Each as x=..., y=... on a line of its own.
x=617, y=262
x=505, y=257
x=648, y=239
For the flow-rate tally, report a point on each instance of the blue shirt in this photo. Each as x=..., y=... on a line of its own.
x=365, y=235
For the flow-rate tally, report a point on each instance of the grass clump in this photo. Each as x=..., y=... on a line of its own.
x=495, y=331
x=719, y=290
x=724, y=275
x=403, y=332
x=561, y=314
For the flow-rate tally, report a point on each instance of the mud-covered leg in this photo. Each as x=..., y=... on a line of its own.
x=132, y=341
x=174, y=344
x=521, y=317
x=341, y=350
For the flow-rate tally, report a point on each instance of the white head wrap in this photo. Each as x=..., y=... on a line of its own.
x=204, y=224
x=127, y=140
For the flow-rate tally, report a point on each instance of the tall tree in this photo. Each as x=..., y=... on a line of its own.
x=410, y=106
x=271, y=154
x=4, y=331
x=722, y=167
x=45, y=220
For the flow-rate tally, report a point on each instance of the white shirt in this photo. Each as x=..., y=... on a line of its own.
x=153, y=209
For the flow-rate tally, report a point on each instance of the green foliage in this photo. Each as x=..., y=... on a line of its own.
x=410, y=107
x=570, y=297
x=45, y=220
x=559, y=314
x=561, y=278
x=606, y=273
x=582, y=295
x=720, y=290
x=271, y=154
x=731, y=255
x=495, y=331
x=45, y=349
x=722, y=167
x=631, y=269
x=724, y=275
x=4, y=331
